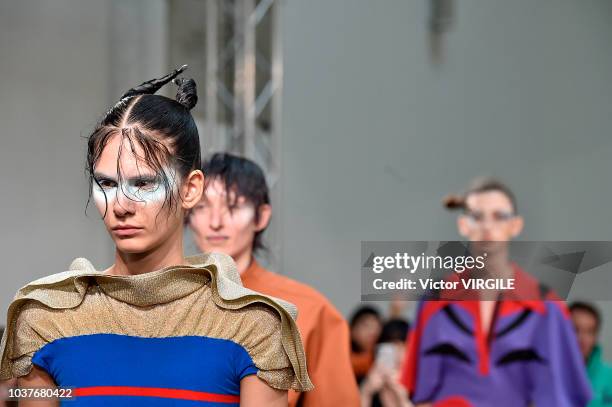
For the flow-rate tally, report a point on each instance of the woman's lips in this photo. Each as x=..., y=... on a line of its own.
x=216, y=239
x=126, y=231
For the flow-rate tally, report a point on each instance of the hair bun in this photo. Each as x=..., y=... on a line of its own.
x=187, y=94
x=454, y=201
x=153, y=85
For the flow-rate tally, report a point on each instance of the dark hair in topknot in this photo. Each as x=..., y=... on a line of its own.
x=162, y=127
x=186, y=94
x=454, y=201
x=479, y=185
x=153, y=85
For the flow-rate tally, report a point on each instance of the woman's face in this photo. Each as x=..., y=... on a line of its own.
x=586, y=331
x=218, y=228
x=366, y=330
x=489, y=222
x=135, y=201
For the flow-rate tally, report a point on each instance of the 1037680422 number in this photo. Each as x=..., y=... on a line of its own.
x=37, y=393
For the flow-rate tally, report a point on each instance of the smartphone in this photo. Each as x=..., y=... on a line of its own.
x=386, y=355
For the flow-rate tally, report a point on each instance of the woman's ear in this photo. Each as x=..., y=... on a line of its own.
x=265, y=213
x=517, y=226
x=192, y=189
x=463, y=225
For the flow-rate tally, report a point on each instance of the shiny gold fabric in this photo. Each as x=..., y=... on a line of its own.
x=204, y=298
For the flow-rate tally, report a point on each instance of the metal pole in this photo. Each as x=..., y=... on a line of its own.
x=249, y=78
x=211, y=75
x=244, y=77
x=275, y=167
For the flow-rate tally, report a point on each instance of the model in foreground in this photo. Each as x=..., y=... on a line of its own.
x=155, y=328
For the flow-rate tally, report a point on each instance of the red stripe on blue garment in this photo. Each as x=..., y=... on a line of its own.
x=453, y=402
x=155, y=392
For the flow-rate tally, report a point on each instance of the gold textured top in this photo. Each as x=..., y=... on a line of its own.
x=203, y=298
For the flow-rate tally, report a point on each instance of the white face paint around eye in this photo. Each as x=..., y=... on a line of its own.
x=147, y=189
x=244, y=214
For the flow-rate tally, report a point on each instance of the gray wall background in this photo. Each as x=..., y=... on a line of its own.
x=62, y=64
x=373, y=135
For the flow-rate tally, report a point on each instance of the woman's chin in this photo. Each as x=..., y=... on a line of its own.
x=131, y=246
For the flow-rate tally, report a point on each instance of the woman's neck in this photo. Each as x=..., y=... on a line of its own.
x=243, y=260
x=169, y=253
x=499, y=266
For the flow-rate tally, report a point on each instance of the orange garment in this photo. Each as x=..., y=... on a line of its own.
x=325, y=336
x=362, y=362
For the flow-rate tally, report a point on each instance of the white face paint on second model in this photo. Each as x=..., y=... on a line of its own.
x=145, y=187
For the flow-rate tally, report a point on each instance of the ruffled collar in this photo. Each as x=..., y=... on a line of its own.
x=159, y=286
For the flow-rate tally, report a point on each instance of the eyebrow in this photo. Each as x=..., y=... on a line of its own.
x=144, y=177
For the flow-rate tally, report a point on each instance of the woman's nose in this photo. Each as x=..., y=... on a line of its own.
x=122, y=203
x=216, y=219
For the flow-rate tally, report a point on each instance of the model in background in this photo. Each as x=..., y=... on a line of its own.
x=506, y=350
x=230, y=219
x=154, y=328
x=587, y=321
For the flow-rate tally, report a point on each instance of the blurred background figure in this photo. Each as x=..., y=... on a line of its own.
x=366, y=326
x=231, y=218
x=509, y=349
x=587, y=321
x=381, y=387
